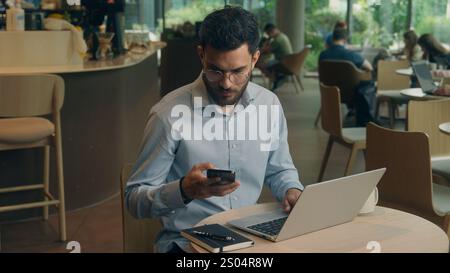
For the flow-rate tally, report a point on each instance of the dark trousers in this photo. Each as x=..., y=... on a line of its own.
x=176, y=250
x=365, y=102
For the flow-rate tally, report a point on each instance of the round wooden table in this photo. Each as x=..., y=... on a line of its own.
x=413, y=93
x=445, y=128
x=386, y=230
x=418, y=94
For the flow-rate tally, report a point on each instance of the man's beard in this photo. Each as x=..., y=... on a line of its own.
x=214, y=93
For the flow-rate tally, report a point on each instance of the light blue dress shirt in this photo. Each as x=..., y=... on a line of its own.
x=153, y=189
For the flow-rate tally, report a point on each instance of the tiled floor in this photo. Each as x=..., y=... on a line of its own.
x=99, y=229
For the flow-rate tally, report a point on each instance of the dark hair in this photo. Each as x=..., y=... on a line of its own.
x=229, y=28
x=431, y=46
x=340, y=34
x=269, y=27
x=341, y=24
x=410, y=42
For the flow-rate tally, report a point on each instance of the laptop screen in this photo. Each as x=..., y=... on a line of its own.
x=424, y=76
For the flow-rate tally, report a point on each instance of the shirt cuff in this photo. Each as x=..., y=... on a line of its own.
x=293, y=185
x=171, y=195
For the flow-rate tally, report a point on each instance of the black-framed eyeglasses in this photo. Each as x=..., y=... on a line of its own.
x=234, y=77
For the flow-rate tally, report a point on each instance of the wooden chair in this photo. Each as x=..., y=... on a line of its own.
x=23, y=100
x=426, y=116
x=389, y=86
x=138, y=235
x=293, y=65
x=344, y=75
x=354, y=138
x=407, y=184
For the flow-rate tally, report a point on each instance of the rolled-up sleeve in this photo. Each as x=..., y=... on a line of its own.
x=148, y=194
x=281, y=174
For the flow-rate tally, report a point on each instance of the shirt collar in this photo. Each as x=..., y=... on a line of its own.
x=337, y=46
x=199, y=90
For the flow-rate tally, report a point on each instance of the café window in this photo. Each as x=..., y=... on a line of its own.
x=432, y=16
x=321, y=16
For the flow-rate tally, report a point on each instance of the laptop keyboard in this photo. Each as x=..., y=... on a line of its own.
x=270, y=227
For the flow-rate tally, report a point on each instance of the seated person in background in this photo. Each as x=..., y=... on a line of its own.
x=168, y=180
x=412, y=49
x=411, y=52
x=279, y=46
x=329, y=38
x=434, y=51
x=365, y=93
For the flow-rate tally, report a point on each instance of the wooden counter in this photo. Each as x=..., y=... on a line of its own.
x=103, y=119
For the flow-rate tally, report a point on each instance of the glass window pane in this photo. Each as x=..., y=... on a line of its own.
x=432, y=16
x=143, y=15
x=379, y=23
x=179, y=12
x=321, y=16
x=265, y=10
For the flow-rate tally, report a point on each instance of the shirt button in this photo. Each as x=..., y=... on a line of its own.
x=235, y=198
x=234, y=146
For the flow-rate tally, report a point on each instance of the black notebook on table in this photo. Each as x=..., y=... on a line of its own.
x=216, y=238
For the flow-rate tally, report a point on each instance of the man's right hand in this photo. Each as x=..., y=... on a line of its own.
x=197, y=186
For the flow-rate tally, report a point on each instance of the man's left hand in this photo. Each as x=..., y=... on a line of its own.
x=290, y=199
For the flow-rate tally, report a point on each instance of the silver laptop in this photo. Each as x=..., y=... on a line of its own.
x=423, y=74
x=320, y=206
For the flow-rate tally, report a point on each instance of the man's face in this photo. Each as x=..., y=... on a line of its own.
x=226, y=73
x=272, y=33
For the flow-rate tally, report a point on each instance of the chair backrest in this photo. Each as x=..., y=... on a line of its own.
x=426, y=116
x=407, y=184
x=343, y=74
x=331, y=110
x=138, y=235
x=294, y=62
x=30, y=95
x=388, y=79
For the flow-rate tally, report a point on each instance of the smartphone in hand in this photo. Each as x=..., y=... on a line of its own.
x=226, y=176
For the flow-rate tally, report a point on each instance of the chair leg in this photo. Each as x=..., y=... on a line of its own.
x=377, y=110
x=46, y=179
x=297, y=85
x=299, y=79
x=351, y=160
x=325, y=159
x=391, y=115
x=316, y=123
x=60, y=177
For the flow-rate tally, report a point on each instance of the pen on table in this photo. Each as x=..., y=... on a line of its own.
x=214, y=236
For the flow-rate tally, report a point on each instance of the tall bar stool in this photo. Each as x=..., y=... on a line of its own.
x=23, y=100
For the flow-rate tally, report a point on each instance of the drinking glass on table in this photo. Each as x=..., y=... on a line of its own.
x=104, y=45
